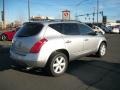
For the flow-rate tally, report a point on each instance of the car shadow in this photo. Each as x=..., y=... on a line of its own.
x=94, y=73
x=97, y=73
x=5, y=61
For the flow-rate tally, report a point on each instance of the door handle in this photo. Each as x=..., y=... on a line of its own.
x=68, y=41
x=86, y=39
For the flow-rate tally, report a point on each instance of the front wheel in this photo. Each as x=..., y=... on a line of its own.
x=57, y=64
x=102, y=50
x=3, y=37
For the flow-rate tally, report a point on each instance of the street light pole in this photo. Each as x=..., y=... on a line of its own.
x=97, y=10
x=29, y=10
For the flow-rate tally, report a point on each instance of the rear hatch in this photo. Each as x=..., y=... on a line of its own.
x=26, y=37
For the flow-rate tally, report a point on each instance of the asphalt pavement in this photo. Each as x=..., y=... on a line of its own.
x=87, y=73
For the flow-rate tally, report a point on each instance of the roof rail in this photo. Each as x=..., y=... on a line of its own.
x=63, y=20
x=56, y=20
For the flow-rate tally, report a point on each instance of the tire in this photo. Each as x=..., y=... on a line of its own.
x=102, y=50
x=3, y=37
x=57, y=64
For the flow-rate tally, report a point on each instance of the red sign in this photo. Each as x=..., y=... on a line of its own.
x=66, y=15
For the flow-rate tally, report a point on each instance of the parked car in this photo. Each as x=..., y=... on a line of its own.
x=52, y=45
x=8, y=35
x=115, y=29
x=101, y=26
x=98, y=29
x=106, y=29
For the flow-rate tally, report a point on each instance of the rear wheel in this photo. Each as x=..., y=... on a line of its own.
x=102, y=50
x=57, y=64
x=3, y=37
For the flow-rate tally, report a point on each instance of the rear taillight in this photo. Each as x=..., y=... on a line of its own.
x=37, y=46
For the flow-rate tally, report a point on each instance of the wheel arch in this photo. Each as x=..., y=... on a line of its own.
x=104, y=42
x=62, y=51
x=59, y=50
x=101, y=43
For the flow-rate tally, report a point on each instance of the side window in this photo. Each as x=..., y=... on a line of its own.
x=57, y=27
x=70, y=29
x=84, y=29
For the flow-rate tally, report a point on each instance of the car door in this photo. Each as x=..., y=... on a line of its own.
x=73, y=40
x=90, y=39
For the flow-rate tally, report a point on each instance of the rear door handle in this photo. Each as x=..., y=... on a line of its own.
x=68, y=41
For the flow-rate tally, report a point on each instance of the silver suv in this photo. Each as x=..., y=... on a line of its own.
x=53, y=44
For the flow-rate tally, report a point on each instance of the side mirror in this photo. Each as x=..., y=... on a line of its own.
x=99, y=33
x=93, y=33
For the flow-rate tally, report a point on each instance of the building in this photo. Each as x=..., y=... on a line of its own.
x=112, y=24
x=37, y=18
x=0, y=25
x=117, y=21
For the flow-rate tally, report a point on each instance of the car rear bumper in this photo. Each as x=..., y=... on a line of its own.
x=28, y=60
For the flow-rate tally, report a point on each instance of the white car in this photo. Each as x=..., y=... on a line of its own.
x=98, y=29
x=115, y=30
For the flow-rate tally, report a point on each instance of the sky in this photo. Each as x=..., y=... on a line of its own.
x=18, y=9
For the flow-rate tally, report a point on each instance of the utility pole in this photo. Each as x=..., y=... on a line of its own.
x=3, y=15
x=29, y=10
x=97, y=10
x=102, y=14
x=93, y=15
x=76, y=14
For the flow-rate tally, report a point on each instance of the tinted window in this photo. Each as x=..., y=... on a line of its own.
x=57, y=27
x=84, y=29
x=90, y=25
x=30, y=29
x=105, y=28
x=71, y=29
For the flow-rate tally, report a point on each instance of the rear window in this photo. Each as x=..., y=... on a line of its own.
x=30, y=29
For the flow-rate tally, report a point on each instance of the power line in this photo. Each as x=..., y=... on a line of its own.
x=50, y=4
x=81, y=2
x=89, y=14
